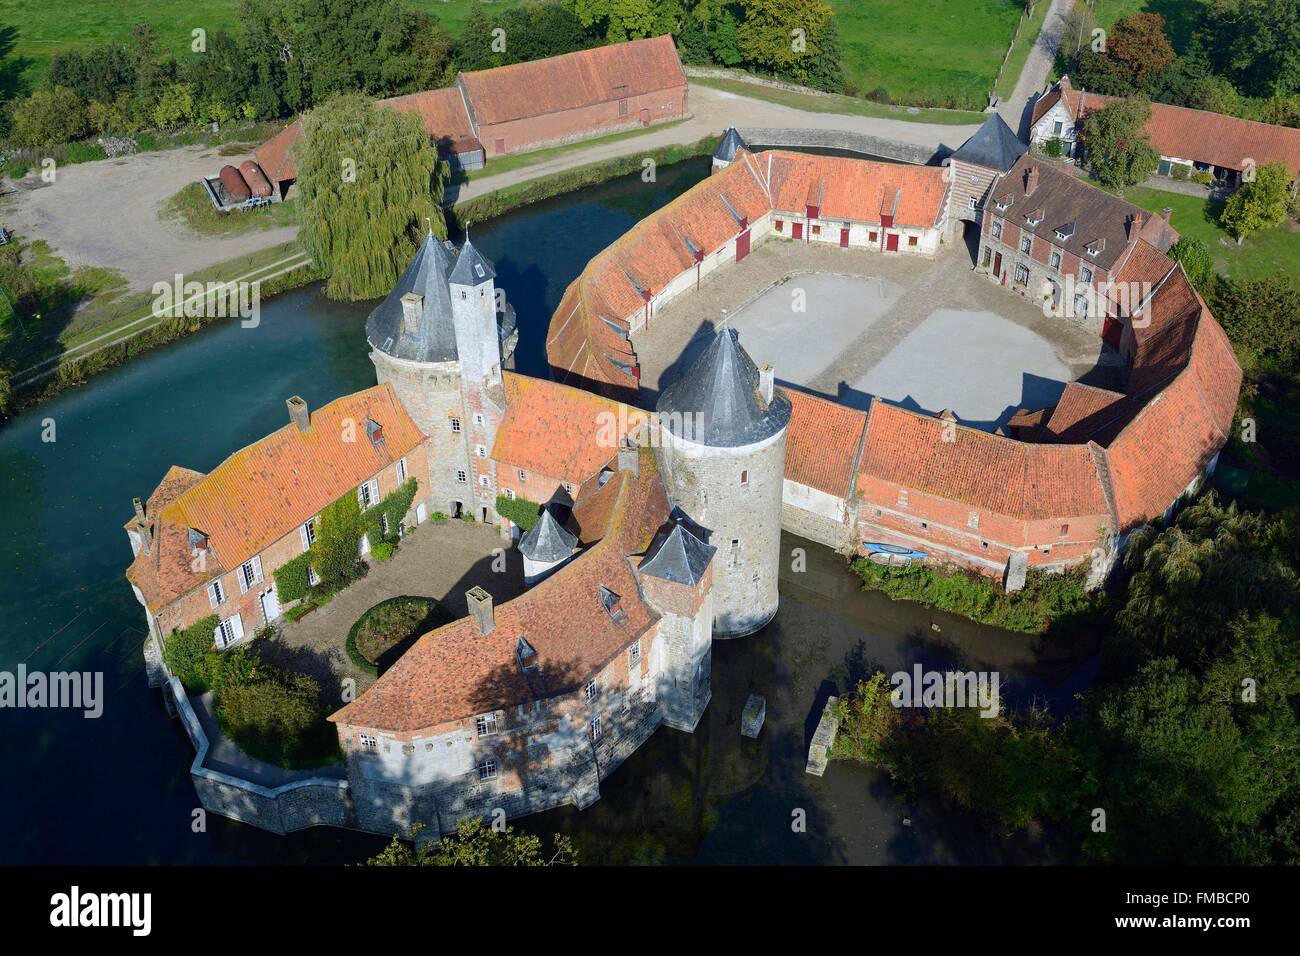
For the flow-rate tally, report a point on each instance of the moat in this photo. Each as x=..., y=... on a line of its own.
x=117, y=789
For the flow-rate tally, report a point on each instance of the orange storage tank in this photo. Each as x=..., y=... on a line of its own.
x=236, y=188
x=256, y=179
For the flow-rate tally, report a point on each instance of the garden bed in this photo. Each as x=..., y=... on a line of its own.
x=383, y=632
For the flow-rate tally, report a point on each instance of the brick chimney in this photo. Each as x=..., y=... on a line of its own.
x=1166, y=213
x=139, y=510
x=298, y=412
x=480, y=608
x=1031, y=180
x=766, y=382
x=412, y=309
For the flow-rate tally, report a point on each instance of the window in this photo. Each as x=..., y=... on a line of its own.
x=997, y=229
x=1081, y=305
x=368, y=494
x=622, y=107
x=228, y=631
x=1057, y=128
x=988, y=255
x=401, y=469
x=1022, y=274
x=486, y=726
x=1056, y=259
x=816, y=230
x=480, y=451
x=368, y=743
x=595, y=728
x=1065, y=530
x=250, y=572
x=911, y=240
x=312, y=577
x=455, y=425
x=744, y=478
x=383, y=523
x=1085, y=274
x=972, y=203
x=461, y=476
x=973, y=520
x=1026, y=243
x=487, y=770
x=308, y=533
x=523, y=475
x=215, y=593
x=735, y=552
x=871, y=237
x=485, y=481
x=510, y=494
x=478, y=419
x=569, y=489
x=634, y=654
x=590, y=690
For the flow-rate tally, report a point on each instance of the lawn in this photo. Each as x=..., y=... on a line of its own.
x=192, y=208
x=1277, y=250
x=44, y=28
x=1180, y=16
x=851, y=105
x=514, y=161
x=926, y=52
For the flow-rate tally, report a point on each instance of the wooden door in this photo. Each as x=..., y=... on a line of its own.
x=797, y=230
x=742, y=245
x=891, y=242
x=844, y=238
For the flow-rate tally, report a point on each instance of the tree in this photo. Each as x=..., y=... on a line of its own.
x=474, y=844
x=1117, y=146
x=98, y=75
x=1197, y=261
x=50, y=117
x=1256, y=43
x=1137, y=49
x=785, y=37
x=369, y=181
x=1262, y=317
x=473, y=49
x=1258, y=204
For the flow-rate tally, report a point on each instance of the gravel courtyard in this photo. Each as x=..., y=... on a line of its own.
x=926, y=334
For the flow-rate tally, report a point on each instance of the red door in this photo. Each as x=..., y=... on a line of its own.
x=742, y=245
x=500, y=146
x=891, y=242
x=844, y=238
x=1112, y=332
x=645, y=117
x=798, y=229
x=997, y=265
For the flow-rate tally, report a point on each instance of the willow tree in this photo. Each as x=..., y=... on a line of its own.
x=369, y=181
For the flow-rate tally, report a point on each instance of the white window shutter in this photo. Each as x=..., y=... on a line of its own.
x=239, y=626
x=257, y=567
x=243, y=580
x=212, y=595
x=302, y=535
x=216, y=636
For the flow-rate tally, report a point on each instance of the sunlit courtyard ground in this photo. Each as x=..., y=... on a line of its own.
x=849, y=324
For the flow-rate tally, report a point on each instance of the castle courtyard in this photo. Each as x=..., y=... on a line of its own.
x=847, y=324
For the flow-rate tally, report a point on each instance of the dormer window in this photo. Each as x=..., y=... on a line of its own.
x=1002, y=204
x=526, y=655
x=1066, y=231
x=198, y=541
x=374, y=431
x=1035, y=217
x=612, y=604
x=1094, y=247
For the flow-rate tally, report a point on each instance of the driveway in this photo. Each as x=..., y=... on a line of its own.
x=1018, y=109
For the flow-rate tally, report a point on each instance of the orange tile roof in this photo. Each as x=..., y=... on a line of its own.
x=573, y=80
x=855, y=189
x=444, y=117
x=822, y=443
x=166, y=571
x=1193, y=134
x=264, y=491
x=275, y=157
x=561, y=432
x=1008, y=477
x=456, y=672
x=1082, y=411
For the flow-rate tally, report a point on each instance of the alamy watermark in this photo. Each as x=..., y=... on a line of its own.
x=212, y=300
x=647, y=427
x=935, y=689
x=56, y=690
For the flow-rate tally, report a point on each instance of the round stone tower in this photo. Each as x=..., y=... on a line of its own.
x=722, y=430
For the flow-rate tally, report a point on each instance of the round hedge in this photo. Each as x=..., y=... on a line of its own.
x=388, y=624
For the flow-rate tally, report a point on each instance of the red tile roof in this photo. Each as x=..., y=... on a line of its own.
x=561, y=432
x=855, y=189
x=275, y=157
x=456, y=672
x=822, y=443
x=264, y=491
x=1192, y=134
x=444, y=117
x=166, y=571
x=573, y=80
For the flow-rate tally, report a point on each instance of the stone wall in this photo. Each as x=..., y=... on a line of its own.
x=864, y=143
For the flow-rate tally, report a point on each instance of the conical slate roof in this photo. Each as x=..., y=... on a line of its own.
x=433, y=338
x=731, y=141
x=679, y=557
x=548, y=540
x=472, y=267
x=993, y=146
x=717, y=401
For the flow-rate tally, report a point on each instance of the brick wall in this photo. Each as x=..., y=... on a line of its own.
x=570, y=125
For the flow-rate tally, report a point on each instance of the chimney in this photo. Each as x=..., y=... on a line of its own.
x=146, y=538
x=298, y=413
x=1031, y=180
x=412, y=308
x=766, y=381
x=629, y=458
x=480, y=608
x=139, y=510
x=1166, y=213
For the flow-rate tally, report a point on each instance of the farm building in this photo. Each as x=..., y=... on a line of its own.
x=1223, y=146
x=512, y=108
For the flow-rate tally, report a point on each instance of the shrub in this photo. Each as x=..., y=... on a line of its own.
x=291, y=578
x=383, y=551
x=394, y=506
x=337, y=542
x=185, y=652
x=50, y=117
x=1180, y=172
x=387, y=625
x=521, y=511
x=276, y=716
x=1053, y=148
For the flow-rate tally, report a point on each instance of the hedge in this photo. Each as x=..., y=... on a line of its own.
x=395, y=505
x=185, y=653
x=519, y=510
x=409, y=613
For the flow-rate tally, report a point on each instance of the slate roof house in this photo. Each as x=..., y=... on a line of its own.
x=1224, y=146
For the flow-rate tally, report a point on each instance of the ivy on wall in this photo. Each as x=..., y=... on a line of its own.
x=519, y=510
x=395, y=505
x=291, y=581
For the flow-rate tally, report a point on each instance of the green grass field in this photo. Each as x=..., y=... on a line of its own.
x=43, y=28
x=926, y=52
x=1179, y=16
x=851, y=105
x=1277, y=250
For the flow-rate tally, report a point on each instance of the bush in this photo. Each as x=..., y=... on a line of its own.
x=1053, y=148
x=388, y=624
x=276, y=716
x=394, y=506
x=383, y=551
x=291, y=578
x=521, y=511
x=1045, y=599
x=1180, y=172
x=185, y=652
x=337, y=542
x=49, y=117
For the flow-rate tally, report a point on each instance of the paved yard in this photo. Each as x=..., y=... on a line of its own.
x=441, y=561
x=928, y=334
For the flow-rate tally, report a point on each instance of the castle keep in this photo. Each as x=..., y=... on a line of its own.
x=660, y=533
